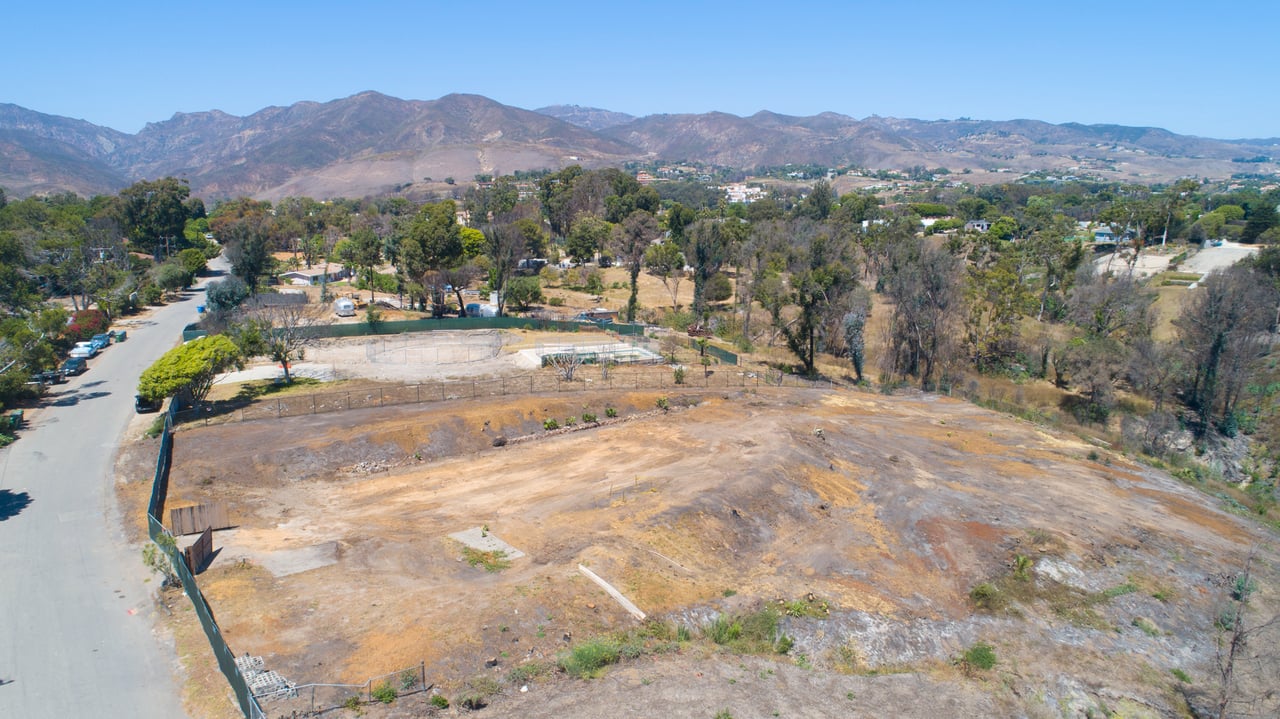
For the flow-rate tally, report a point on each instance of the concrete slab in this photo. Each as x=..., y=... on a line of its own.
x=478, y=538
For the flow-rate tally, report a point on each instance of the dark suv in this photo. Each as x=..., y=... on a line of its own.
x=75, y=365
x=142, y=405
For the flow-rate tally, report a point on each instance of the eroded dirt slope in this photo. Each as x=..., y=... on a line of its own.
x=887, y=510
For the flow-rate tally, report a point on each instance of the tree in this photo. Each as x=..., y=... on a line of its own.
x=820, y=284
x=189, y=369
x=364, y=254
x=633, y=238
x=587, y=237
x=678, y=218
x=708, y=245
x=817, y=204
x=1262, y=217
x=1223, y=332
x=1114, y=314
x=226, y=295
x=193, y=261
x=280, y=332
x=432, y=243
x=924, y=283
x=505, y=246
x=154, y=214
x=1245, y=660
x=244, y=228
x=854, y=325
x=997, y=299
x=172, y=276
x=666, y=262
x=522, y=292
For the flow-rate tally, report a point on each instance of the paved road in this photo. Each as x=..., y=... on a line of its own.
x=76, y=611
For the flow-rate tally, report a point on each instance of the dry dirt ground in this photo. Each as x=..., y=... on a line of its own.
x=886, y=510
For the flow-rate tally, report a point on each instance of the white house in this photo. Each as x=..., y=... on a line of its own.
x=333, y=272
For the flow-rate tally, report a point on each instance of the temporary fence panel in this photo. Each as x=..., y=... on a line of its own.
x=155, y=529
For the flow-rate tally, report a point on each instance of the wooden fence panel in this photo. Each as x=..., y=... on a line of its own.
x=189, y=520
x=199, y=553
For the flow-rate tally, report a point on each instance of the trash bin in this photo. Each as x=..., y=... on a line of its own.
x=120, y=335
x=200, y=309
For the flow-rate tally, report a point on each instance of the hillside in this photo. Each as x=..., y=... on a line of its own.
x=371, y=143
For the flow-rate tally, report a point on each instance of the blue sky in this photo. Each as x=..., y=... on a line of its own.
x=1202, y=69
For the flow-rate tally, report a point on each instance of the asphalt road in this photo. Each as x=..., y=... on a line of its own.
x=77, y=613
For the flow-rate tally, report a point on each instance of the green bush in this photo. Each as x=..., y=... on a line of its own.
x=987, y=596
x=556, y=301
x=979, y=656
x=678, y=374
x=610, y=412
x=384, y=693
x=586, y=660
x=439, y=701
x=588, y=417
x=663, y=404
x=550, y=423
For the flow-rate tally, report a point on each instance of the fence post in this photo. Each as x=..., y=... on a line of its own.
x=313, y=404
x=419, y=388
x=348, y=400
x=381, y=396
x=422, y=669
x=277, y=408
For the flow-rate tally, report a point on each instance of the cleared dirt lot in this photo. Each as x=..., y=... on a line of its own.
x=887, y=509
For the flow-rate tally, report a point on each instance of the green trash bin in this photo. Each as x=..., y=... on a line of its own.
x=120, y=335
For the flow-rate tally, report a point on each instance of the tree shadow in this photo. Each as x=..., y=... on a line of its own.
x=74, y=398
x=12, y=503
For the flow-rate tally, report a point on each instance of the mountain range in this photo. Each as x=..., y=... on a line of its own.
x=370, y=144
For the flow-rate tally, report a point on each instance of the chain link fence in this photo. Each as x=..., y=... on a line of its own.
x=534, y=383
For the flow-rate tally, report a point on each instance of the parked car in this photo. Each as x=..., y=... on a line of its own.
x=101, y=341
x=51, y=376
x=83, y=349
x=74, y=365
x=142, y=405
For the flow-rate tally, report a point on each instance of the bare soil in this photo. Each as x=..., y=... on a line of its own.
x=887, y=509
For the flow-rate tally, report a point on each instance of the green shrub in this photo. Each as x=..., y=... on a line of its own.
x=588, y=417
x=678, y=374
x=550, y=423
x=556, y=301
x=1147, y=626
x=663, y=404
x=1180, y=675
x=979, y=656
x=586, y=660
x=570, y=421
x=156, y=428
x=439, y=701
x=523, y=673
x=987, y=596
x=352, y=702
x=408, y=680
x=384, y=693
x=494, y=561
x=610, y=412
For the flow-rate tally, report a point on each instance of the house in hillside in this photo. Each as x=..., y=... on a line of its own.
x=977, y=226
x=317, y=275
x=1104, y=235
